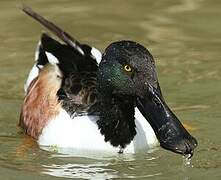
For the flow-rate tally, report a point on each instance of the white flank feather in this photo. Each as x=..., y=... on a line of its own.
x=32, y=75
x=97, y=54
x=51, y=58
x=82, y=133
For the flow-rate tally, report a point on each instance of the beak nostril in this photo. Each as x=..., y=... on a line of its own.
x=156, y=102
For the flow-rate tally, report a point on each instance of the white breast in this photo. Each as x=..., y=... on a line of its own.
x=81, y=133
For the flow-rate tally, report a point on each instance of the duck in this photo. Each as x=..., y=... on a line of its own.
x=77, y=97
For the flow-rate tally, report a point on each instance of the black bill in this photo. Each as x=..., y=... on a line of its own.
x=168, y=129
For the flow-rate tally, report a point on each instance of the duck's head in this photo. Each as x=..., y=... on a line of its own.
x=128, y=69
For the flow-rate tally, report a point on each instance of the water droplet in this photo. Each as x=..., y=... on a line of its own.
x=187, y=160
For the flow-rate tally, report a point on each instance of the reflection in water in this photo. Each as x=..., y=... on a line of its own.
x=100, y=166
x=98, y=171
x=89, y=171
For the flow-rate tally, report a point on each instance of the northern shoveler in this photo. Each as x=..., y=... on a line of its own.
x=78, y=98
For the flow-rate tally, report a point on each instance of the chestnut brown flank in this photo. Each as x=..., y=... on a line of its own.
x=41, y=102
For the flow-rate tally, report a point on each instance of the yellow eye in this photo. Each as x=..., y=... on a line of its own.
x=127, y=68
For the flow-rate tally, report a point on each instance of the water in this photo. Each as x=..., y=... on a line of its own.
x=185, y=38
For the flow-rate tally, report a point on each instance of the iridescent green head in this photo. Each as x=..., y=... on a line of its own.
x=126, y=69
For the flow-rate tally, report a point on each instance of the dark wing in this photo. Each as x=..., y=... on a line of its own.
x=78, y=63
x=79, y=93
x=68, y=58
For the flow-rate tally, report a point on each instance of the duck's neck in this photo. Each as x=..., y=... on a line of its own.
x=116, y=121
